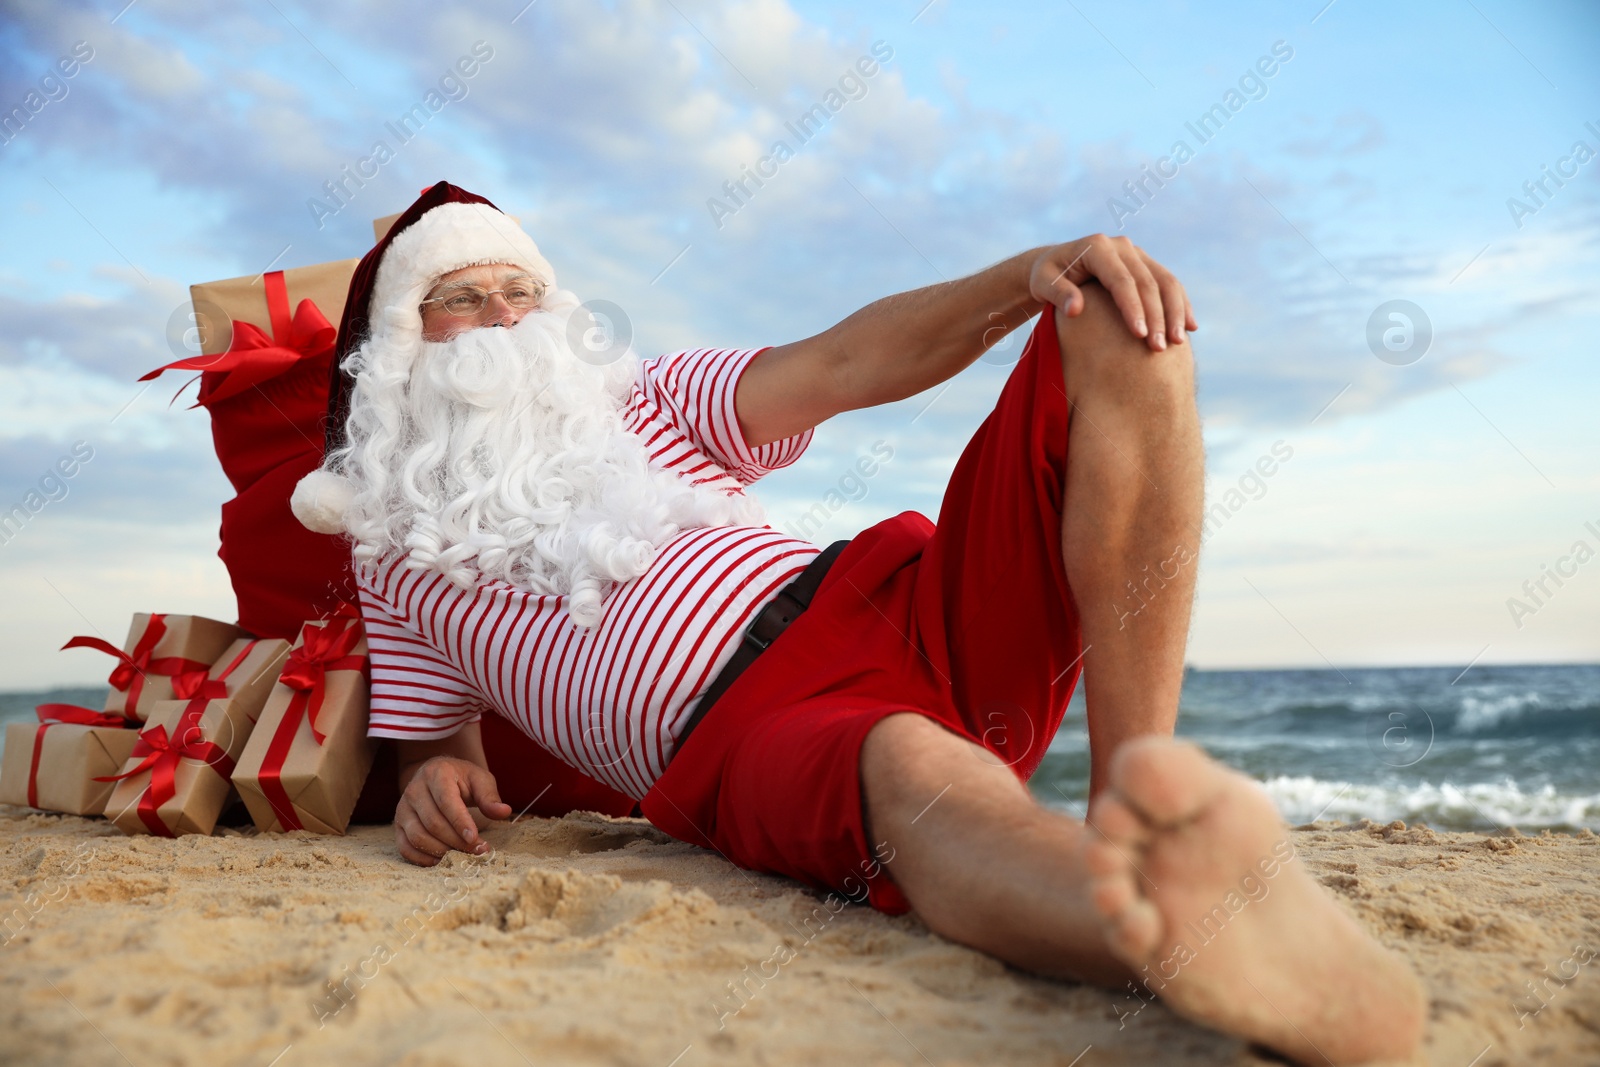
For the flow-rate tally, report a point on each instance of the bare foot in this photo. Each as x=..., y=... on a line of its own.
x=1206, y=901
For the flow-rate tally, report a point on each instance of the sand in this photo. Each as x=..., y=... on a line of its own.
x=589, y=940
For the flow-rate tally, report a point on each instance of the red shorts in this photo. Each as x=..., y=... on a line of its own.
x=969, y=623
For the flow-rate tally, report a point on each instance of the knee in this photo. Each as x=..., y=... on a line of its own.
x=902, y=755
x=908, y=759
x=1101, y=358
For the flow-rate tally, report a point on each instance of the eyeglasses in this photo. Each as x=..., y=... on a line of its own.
x=469, y=299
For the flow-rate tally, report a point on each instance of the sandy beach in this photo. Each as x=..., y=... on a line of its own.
x=589, y=940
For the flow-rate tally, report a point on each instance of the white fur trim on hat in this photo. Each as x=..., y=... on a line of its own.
x=446, y=238
x=320, y=501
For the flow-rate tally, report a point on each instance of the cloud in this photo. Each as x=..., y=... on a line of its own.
x=116, y=482
x=607, y=129
x=120, y=337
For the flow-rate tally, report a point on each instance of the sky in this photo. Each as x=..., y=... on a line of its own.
x=1415, y=488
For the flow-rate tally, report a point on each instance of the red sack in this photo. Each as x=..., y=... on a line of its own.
x=267, y=395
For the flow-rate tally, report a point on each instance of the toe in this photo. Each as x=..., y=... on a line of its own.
x=1112, y=896
x=1112, y=819
x=1134, y=934
x=1167, y=781
x=1104, y=859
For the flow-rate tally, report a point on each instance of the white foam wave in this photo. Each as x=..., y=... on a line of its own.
x=1483, y=805
x=1487, y=712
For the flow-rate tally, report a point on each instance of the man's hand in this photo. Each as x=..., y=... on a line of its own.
x=1145, y=291
x=432, y=817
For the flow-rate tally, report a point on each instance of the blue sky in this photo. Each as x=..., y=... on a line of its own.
x=1374, y=164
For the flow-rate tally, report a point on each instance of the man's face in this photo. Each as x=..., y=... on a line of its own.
x=438, y=324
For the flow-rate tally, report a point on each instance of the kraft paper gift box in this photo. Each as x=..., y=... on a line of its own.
x=177, y=779
x=52, y=765
x=159, y=648
x=381, y=226
x=309, y=756
x=269, y=302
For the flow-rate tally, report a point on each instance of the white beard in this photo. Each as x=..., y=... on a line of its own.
x=501, y=454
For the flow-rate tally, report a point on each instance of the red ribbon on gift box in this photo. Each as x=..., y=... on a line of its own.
x=159, y=753
x=55, y=715
x=322, y=648
x=253, y=357
x=129, y=673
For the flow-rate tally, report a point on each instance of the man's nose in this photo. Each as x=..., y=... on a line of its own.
x=499, y=313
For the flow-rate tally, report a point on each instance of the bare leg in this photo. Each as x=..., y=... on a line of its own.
x=984, y=865
x=1130, y=521
x=978, y=858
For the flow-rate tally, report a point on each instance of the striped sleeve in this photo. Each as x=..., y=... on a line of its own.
x=417, y=694
x=695, y=388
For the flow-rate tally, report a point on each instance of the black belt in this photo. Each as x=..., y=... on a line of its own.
x=764, y=629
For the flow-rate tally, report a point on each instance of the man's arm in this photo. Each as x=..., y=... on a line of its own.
x=903, y=344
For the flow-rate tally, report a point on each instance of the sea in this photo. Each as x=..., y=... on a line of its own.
x=1493, y=747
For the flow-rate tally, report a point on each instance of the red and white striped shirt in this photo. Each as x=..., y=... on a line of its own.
x=610, y=701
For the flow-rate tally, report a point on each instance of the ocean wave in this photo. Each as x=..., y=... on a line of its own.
x=1479, y=806
x=1554, y=702
x=1467, y=716
x=1480, y=714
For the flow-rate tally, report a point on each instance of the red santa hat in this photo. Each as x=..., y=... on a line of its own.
x=447, y=228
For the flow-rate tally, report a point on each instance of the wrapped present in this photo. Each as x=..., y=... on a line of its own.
x=309, y=756
x=53, y=766
x=177, y=778
x=274, y=328
x=159, y=650
x=273, y=305
x=266, y=355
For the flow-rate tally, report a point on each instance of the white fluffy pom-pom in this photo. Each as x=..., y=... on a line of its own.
x=320, y=501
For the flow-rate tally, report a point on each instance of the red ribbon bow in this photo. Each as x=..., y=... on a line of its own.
x=322, y=648
x=129, y=673
x=159, y=754
x=253, y=356
x=192, y=685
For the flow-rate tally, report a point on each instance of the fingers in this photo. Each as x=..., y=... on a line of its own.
x=409, y=852
x=447, y=817
x=416, y=844
x=1152, y=302
x=1072, y=303
x=432, y=817
x=1173, y=298
x=1051, y=280
x=484, y=795
x=1106, y=263
x=1153, y=312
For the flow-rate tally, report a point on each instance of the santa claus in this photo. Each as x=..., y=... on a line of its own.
x=502, y=453
x=561, y=535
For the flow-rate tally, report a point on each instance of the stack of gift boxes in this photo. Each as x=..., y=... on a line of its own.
x=200, y=713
